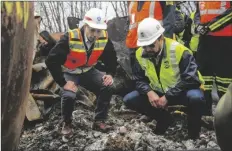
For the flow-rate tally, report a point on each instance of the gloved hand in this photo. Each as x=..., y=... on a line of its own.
x=202, y=29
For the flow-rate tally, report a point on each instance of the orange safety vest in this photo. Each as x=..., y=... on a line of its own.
x=210, y=10
x=150, y=9
x=77, y=56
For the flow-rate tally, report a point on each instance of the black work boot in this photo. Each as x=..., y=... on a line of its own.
x=194, y=127
x=101, y=126
x=66, y=129
x=162, y=125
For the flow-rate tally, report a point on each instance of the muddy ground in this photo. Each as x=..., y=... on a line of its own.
x=132, y=131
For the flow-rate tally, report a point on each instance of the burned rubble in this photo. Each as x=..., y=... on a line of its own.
x=132, y=131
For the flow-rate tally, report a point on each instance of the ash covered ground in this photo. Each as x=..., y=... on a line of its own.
x=132, y=131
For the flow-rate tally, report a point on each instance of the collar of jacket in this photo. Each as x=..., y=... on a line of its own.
x=163, y=54
x=85, y=39
x=164, y=49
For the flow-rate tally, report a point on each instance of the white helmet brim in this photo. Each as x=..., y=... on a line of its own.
x=148, y=42
x=96, y=26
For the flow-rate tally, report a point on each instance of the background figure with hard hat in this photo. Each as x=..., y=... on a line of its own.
x=76, y=54
x=223, y=120
x=164, y=12
x=166, y=74
x=188, y=37
x=214, y=24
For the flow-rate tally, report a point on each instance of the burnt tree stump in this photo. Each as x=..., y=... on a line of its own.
x=16, y=54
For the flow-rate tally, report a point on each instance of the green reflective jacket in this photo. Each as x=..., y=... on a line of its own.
x=169, y=70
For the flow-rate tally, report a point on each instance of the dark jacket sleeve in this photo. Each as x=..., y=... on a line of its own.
x=197, y=15
x=57, y=58
x=173, y=21
x=189, y=77
x=109, y=58
x=141, y=81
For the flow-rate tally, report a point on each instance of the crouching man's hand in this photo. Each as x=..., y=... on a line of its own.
x=107, y=80
x=162, y=102
x=153, y=98
x=71, y=86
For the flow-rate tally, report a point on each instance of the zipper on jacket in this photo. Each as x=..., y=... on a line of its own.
x=161, y=84
x=158, y=73
x=89, y=53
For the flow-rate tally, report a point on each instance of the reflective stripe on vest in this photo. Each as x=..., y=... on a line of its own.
x=210, y=10
x=151, y=14
x=77, y=61
x=213, y=11
x=193, y=44
x=169, y=70
x=77, y=70
x=74, y=34
x=195, y=38
x=149, y=9
x=130, y=6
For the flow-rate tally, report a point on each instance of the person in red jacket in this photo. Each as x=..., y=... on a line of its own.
x=215, y=49
x=71, y=63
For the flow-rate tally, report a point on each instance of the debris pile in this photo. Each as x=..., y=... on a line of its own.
x=132, y=131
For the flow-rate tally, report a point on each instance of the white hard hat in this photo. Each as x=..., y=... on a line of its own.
x=149, y=30
x=95, y=18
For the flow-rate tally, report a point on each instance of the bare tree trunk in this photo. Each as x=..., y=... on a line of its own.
x=121, y=7
x=115, y=8
x=56, y=12
x=100, y=5
x=72, y=11
x=86, y=5
x=106, y=10
x=17, y=49
x=47, y=17
x=52, y=9
x=89, y=5
x=43, y=24
x=58, y=15
x=64, y=17
x=81, y=16
x=76, y=10
x=125, y=7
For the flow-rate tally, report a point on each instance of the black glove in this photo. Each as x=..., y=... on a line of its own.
x=202, y=29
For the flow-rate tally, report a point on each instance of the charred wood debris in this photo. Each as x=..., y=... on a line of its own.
x=133, y=131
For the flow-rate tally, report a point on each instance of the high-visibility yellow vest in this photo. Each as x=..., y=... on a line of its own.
x=169, y=70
